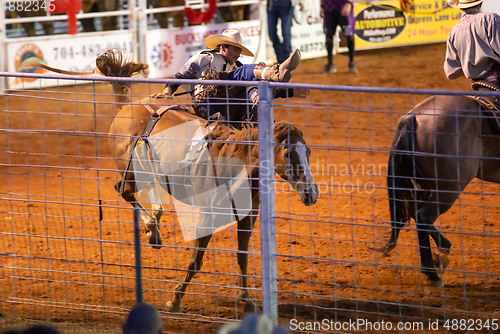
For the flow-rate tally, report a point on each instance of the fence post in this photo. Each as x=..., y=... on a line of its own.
x=141, y=29
x=266, y=196
x=3, y=49
x=137, y=244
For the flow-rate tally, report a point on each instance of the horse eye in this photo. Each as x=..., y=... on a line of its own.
x=288, y=154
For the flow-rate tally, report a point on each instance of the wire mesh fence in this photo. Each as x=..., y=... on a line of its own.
x=67, y=236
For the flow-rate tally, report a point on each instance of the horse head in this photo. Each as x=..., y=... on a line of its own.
x=292, y=162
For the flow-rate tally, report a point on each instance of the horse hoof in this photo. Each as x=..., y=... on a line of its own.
x=172, y=307
x=251, y=307
x=154, y=240
x=442, y=260
x=437, y=283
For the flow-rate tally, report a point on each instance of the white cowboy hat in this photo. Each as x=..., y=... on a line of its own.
x=229, y=37
x=463, y=4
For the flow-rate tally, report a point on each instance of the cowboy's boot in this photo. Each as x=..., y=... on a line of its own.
x=279, y=72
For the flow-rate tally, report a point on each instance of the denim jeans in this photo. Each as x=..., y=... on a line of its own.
x=215, y=105
x=280, y=9
x=243, y=73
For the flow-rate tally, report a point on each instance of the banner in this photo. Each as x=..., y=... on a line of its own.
x=491, y=6
x=383, y=24
x=63, y=52
x=307, y=30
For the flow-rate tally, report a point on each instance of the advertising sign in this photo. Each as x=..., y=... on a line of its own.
x=168, y=49
x=64, y=52
x=491, y=6
x=382, y=23
x=307, y=30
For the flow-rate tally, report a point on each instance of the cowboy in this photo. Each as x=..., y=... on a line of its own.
x=473, y=46
x=222, y=56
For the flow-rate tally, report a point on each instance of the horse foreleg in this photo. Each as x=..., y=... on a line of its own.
x=436, y=205
x=152, y=230
x=194, y=266
x=245, y=227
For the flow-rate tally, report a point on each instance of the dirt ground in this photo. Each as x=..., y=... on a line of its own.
x=66, y=239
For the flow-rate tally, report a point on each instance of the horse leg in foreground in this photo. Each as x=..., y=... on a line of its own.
x=245, y=227
x=150, y=220
x=437, y=151
x=292, y=164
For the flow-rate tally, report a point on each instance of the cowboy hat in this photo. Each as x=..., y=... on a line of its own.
x=229, y=37
x=464, y=4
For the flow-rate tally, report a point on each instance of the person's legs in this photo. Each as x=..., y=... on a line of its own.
x=348, y=31
x=279, y=72
x=286, y=14
x=350, y=46
x=330, y=23
x=272, y=25
x=329, y=68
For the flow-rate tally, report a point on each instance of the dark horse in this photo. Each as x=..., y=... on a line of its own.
x=291, y=163
x=439, y=147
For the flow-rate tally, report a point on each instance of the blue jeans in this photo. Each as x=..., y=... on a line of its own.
x=280, y=9
x=243, y=73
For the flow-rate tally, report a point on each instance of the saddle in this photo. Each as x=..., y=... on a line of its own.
x=140, y=145
x=490, y=104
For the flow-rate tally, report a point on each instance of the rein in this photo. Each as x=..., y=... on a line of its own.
x=155, y=117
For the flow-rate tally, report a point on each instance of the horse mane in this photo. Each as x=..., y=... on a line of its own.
x=283, y=130
x=112, y=63
x=239, y=139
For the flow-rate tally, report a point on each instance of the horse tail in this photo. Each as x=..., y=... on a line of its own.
x=403, y=179
x=112, y=63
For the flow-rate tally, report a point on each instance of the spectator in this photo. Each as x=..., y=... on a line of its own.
x=473, y=46
x=335, y=13
x=143, y=319
x=283, y=10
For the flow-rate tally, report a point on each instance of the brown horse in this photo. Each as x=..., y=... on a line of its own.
x=439, y=147
x=187, y=185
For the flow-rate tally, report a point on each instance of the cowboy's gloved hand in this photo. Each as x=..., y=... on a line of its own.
x=301, y=92
x=166, y=94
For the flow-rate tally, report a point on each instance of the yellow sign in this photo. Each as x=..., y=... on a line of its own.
x=383, y=23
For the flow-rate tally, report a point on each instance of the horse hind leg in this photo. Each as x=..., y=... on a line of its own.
x=200, y=245
x=441, y=260
x=245, y=227
x=425, y=218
